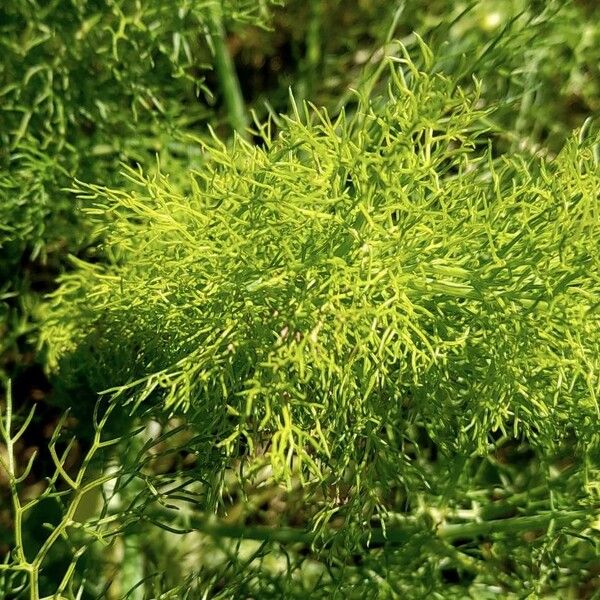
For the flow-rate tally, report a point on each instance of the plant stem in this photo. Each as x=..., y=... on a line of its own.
x=34, y=593
x=515, y=525
x=398, y=534
x=312, y=58
x=133, y=561
x=225, y=69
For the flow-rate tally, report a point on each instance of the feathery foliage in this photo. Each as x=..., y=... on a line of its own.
x=352, y=294
x=354, y=352
x=86, y=85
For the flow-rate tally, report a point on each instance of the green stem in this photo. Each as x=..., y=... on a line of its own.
x=312, y=59
x=133, y=563
x=513, y=525
x=395, y=535
x=34, y=593
x=225, y=69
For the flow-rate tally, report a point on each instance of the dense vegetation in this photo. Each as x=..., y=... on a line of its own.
x=321, y=303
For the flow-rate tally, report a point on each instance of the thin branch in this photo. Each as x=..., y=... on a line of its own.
x=225, y=69
x=395, y=535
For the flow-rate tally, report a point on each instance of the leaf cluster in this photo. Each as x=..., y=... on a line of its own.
x=351, y=294
x=84, y=86
x=364, y=346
